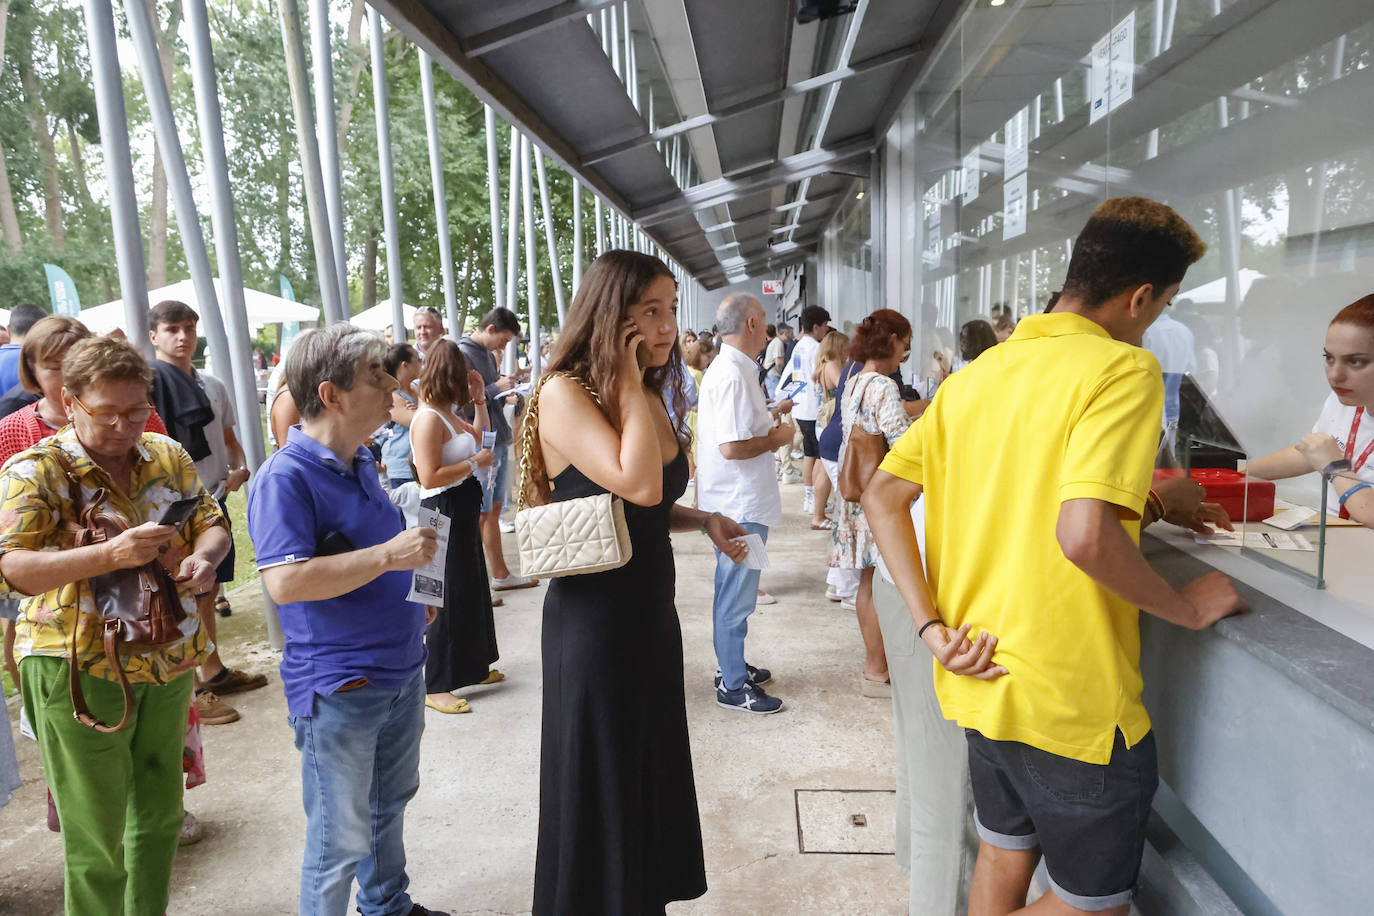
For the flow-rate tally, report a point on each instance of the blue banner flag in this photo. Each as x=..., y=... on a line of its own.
x=286, y=291
x=62, y=291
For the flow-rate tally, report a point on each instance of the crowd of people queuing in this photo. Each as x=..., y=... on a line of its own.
x=983, y=605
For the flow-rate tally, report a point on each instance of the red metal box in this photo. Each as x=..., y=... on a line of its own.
x=1229, y=490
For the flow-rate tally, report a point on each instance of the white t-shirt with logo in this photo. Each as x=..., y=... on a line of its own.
x=800, y=369
x=1336, y=420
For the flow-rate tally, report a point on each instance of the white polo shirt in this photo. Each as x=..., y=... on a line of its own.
x=806, y=405
x=731, y=408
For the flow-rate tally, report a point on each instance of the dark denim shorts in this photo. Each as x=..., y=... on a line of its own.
x=1087, y=819
x=811, y=447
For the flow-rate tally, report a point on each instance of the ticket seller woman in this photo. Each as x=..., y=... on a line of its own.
x=1343, y=438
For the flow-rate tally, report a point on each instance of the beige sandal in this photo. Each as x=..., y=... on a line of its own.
x=876, y=689
x=459, y=705
x=493, y=677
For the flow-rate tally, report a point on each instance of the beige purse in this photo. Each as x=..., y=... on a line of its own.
x=572, y=536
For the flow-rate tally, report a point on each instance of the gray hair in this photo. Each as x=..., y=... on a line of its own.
x=328, y=354
x=734, y=311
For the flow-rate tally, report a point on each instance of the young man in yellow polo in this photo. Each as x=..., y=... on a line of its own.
x=1032, y=549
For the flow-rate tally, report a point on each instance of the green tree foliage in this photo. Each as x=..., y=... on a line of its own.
x=264, y=163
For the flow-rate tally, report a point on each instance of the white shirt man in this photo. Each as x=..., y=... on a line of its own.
x=736, y=437
x=815, y=322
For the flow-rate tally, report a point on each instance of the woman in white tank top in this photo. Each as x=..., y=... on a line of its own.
x=447, y=453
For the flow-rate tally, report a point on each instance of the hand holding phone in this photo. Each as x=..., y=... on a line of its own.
x=180, y=512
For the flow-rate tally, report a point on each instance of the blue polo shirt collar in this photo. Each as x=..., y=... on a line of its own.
x=324, y=455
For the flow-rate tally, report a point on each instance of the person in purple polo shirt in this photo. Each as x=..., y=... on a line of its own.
x=335, y=555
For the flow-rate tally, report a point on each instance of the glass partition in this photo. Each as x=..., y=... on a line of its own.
x=1253, y=118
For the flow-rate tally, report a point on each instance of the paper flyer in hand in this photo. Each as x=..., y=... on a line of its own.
x=488, y=442
x=427, y=582
x=757, y=558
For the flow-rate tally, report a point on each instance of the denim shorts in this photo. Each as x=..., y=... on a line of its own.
x=1087, y=819
x=498, y=481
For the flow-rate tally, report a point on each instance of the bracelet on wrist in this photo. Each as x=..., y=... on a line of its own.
x=1156, y=504
x=1351, y=492
x=920, y=634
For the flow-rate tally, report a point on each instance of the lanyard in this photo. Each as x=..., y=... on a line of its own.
x=1356, y=463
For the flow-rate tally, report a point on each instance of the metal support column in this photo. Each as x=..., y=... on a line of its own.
x=381, y=108
x=327, y=132
x=331, y=296
x=531, y=260
x=436, y=178
x=498, y=276
x=512, y=220
x=119, y=170
x=204, y=82
x=577, y=236
x=600, y=228
x=140, y=21
x=559, y=299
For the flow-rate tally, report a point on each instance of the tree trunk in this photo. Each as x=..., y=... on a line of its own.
x=47, y=153
x=370, y=269
x=9, y=217
x=157, y=220
x=355, y=70
x=79, y=167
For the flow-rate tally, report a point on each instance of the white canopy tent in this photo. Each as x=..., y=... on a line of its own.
x=378, y=318
x=263, y=308
x=1215, y=292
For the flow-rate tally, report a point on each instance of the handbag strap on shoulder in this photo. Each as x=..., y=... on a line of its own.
x=529, y=436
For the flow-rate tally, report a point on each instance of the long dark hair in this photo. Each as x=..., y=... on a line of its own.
x=589, y=348
x=589, y=345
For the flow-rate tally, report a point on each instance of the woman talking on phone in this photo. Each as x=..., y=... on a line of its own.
x=1342, y=441
x=618, y=824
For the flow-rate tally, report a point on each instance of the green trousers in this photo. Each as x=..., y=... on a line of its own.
x=118, y=796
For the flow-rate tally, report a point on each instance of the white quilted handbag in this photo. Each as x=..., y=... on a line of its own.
x=572, y=536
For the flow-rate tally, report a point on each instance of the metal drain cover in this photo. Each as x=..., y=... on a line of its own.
x=846, y=821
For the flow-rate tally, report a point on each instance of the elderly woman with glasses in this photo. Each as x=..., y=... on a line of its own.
x=118, y=794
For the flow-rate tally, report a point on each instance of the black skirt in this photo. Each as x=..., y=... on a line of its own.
x=462, y=639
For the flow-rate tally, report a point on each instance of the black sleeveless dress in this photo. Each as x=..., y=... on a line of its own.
x=619, y=833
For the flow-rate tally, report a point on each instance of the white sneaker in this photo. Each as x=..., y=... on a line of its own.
x=514, y=580
x=809, y=500
x=506, y=527
x=848, y=603
x=765, y=598
x=833, y=595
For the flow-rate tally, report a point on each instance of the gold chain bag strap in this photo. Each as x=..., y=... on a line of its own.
x=566, y=537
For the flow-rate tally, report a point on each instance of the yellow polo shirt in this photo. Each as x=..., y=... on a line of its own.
x=1059, y=411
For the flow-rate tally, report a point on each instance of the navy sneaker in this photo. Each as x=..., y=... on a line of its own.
x=748, y=698
x=756, y=676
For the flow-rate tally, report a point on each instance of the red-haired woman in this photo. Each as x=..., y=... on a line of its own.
x=1342, y=441
x=618, y=824
x=873, y=403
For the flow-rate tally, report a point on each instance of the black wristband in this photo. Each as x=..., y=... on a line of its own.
x=927, y=625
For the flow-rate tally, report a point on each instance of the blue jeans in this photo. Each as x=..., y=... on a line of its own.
x=360, y=765
x=770, y=385
x=737, y=592
x=496, y=485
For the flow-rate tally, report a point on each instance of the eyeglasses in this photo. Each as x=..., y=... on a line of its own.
x=135, y=415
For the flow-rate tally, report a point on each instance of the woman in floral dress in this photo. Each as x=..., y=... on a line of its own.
x=873, y=402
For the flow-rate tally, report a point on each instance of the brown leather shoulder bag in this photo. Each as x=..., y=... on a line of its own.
x=139, y=608
x=862, y=455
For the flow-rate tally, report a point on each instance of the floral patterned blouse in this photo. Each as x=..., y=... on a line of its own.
x=35, y=499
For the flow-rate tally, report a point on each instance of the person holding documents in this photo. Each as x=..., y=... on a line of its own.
x=337, y=560
x=1342, y=441
x=735, y=478
x=449, y=462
